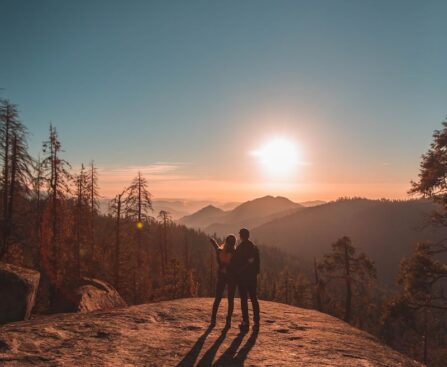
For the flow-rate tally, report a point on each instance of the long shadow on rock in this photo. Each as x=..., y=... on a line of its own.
x=241, y=356
x=207, y=359
x=231, y=357
x=190, y=358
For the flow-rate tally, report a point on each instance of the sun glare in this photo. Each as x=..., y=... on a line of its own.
x=278, y=157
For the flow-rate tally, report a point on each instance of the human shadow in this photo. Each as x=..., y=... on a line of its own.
x=207, y=359
x=231, y=357
x=190, y=358
x=241, y=356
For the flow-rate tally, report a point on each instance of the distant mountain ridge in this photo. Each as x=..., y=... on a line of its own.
x=177, y=208
x=385, y=230
x=249, y=214
x=311, y=203
x=203, y=217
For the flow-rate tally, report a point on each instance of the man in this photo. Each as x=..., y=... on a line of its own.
x=246, y=267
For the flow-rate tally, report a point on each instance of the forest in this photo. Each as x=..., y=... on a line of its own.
x=51, y=221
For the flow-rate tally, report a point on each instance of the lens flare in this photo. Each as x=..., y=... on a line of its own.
x=278, y=157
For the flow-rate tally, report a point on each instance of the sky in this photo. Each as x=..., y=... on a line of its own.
x=187, y=91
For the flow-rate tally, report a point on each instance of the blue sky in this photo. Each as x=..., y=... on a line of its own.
x=185, y=89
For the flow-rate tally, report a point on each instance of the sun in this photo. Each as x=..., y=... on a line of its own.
x=278, y=157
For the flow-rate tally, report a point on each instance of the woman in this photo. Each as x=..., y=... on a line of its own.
x=224, y=255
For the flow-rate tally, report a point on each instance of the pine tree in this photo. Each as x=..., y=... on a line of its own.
x=9, y=117
x=37, y=186
x=423, y=275
x=354, y=270
x=93, y=194
x=138, y=206
x=138, y=202
x=432, y=178
x=284, y=286
x=186, y=249
x=57, y=179
x=17, y=167
x=116, y=207
x=301, y=291
x=165, y=220
x=179, y=282
x=82, y=202
x=422, y=278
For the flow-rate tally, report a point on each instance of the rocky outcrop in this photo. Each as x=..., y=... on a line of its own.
x=18, y=289
x=176, y=333
x=88, y=295
x=97, y=295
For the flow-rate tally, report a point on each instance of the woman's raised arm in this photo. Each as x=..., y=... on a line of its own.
x=214, y=243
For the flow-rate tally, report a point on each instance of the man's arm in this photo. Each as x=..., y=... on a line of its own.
x=257, y=260
x=254, y=259
x=246, y=259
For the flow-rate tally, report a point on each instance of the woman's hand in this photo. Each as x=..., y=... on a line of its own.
x=214, y=243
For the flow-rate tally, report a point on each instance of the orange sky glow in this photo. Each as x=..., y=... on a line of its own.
x=165, y=181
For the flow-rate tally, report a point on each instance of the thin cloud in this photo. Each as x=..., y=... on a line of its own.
x=114, y=179
x=150, y=169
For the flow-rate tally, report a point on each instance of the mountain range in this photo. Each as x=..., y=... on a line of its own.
x=177, y=208
x=250, y=214
x=385, y=230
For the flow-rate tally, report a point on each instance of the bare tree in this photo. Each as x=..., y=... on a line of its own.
x=57, y=178
x=116, y=209
x=8, y=117
x=17, y=166
x=37, y=186
x=318, y=286
x=82, y=205
x=138, y=200
x=93, y=193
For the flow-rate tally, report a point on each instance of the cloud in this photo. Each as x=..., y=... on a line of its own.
x=173, y=180
x=114, y=179
x=156, y=169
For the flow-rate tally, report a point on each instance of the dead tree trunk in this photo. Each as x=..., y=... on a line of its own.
x=317, y=287
x=348, y=300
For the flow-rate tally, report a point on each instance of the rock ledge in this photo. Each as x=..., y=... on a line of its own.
x=176, y=333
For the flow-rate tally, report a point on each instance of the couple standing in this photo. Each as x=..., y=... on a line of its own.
x=238, y=267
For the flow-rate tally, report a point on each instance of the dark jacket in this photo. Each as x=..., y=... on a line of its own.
x=245, y=264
